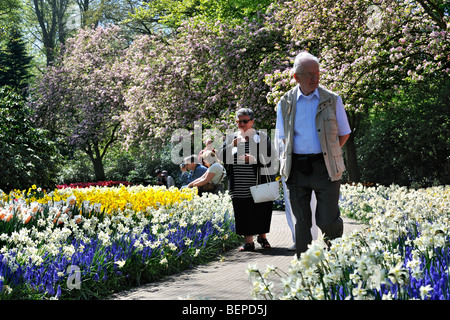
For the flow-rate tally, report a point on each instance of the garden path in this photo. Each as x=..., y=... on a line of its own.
x=225, y=279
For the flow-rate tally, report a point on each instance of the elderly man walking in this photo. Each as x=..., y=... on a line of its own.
x=312, y=123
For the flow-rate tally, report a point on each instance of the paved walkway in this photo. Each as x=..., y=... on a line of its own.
x=225, y=279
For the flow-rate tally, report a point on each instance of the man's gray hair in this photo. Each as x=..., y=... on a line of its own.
x=245, y=112
x=302, y=56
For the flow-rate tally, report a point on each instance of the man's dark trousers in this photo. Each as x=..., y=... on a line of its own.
x=300, y=186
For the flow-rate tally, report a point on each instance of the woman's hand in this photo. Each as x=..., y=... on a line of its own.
x=239, y=139
x=204, y=179
x=248, y=158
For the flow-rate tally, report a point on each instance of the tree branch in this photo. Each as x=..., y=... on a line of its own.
x=111, y=140
x=431, y=8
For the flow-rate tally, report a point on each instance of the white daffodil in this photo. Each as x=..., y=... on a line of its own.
x=425, y=291
x=120, y=263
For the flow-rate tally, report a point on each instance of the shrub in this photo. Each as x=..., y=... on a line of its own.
x=408, y=142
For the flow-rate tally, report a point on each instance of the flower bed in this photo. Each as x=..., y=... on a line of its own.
x=93, y=184
x=88, y=243
x=403, y=254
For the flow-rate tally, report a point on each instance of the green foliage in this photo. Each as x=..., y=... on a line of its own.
x=76, y=168
x=9, y=15
x=139, y=166
x=172, y=13
x=135, y=166
x=14, y=62
x=408, y=141
x=27, y=156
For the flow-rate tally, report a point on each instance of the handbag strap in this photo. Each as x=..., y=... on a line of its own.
x=258, y=173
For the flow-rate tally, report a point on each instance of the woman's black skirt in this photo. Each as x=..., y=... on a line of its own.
x=252, y=218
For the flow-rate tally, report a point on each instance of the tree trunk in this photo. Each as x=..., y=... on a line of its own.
x=351, y=159
x=97, y=162
x=51, y=16
x=83, y=5
x=48, y=29
x=99, y=170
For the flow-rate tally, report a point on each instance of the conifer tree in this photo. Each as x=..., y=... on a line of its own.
x=15, y=63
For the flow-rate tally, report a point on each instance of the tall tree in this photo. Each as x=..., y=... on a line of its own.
x=85, y=6
x=202, y=75
x=169, y=15
x=117, y=12
x=9, y=16
x=15, y=63
x=82, y=98
x=51, y=24
x=27, y=156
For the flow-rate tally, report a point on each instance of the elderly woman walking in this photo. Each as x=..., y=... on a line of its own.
x=245, y=153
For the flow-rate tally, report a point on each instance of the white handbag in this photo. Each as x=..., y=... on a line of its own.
x=265, y=192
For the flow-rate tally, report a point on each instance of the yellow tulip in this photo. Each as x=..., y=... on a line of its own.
x=113, y=199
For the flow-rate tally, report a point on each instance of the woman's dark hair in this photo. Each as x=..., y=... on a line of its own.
x=245, y=112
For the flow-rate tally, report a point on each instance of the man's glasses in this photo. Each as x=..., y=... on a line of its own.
x=243, y=121
x=311, y=74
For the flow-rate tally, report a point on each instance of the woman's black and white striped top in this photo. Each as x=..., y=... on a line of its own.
x=244, y=178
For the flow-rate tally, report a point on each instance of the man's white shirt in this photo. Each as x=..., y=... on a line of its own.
x=306, y=140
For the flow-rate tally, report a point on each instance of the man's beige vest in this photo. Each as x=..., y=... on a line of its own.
x=327, y=130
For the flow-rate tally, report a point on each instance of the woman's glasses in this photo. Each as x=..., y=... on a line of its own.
x=243, y=121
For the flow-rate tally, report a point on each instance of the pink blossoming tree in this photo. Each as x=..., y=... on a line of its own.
x=203, y=75
x=81, y=98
